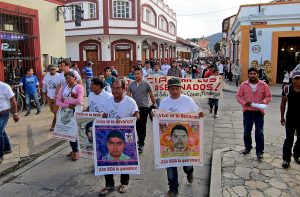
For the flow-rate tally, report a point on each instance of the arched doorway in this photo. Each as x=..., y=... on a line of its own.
x=154, y=51
x=145, y=51
x=90, y=50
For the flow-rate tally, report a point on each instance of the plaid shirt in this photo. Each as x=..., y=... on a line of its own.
x=261, y=95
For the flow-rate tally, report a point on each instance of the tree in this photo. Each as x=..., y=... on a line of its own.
x=217, y=47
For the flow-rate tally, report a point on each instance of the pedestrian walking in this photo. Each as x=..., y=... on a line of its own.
x=165, y=67
x=213, y=102
x=174, y=71
x=131, y=74
x=7, y=101
x=119, y=106
x=253, y=91
x=291, y=95
x=140, y=90
x=179, y=103
x=98, y=96
x=109, y=78
x=88, y=75
x=50, y=82
x=69, y=97
x=237, y=71
x=30, y=87
x=106, y=85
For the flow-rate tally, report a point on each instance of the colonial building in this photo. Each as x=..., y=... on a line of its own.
x=29, y=36
x=121, y=32
x=277, y=27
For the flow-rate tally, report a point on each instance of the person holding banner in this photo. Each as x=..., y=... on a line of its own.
x=181, y=103
x=68, y=98
x=98, y=96
x=174, y=71
x=140, y=90
x=119, y=106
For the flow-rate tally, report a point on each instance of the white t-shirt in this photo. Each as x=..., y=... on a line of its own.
x=51, y=81
x=183, y=104
x=164, y=68
x=221, y=68
x=97, y=102
x=126, y=108
x=253, y=87
x=62, y=79
x=5, y=95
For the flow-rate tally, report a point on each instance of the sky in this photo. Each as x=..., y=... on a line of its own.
x=197, y=18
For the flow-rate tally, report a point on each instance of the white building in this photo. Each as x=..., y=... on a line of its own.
x=121, y=32
x=277, y=27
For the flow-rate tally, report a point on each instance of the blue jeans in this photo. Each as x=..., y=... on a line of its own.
x=214, y=102
x=28, y=103
x=173, y=176
x=237, y=80
x=74, y=146
x=257, y=118
x=88, y=82
x=4, y=141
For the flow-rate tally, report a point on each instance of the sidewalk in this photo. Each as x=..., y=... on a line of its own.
x=29, y=138
x=231, y=87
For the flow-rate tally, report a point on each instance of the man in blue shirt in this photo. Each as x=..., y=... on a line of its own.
x=30, y=85
x=88, y=75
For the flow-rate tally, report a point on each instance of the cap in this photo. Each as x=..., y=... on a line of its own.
x=296, y=74
x=174, y=82
x=117, y=134
x=90, y=62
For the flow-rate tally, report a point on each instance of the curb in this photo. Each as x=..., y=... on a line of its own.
x=28, y=163
x=234, y=91
x=216, y=173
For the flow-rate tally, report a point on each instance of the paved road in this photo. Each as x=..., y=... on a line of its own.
x=55, y=175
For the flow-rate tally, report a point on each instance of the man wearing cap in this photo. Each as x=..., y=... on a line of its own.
x=253, y=91
x=179, y=103
x=50, y=82
x=291, y=95
x=88, y=75
x=174, y=71
x=119, y=106
x=115, y=144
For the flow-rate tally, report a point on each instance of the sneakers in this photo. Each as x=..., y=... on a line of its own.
x=27, y=114
x=285, y=164
x=297, y=160
x=172, y=194
x=7, y=152
x=210, y=110
x=75, y=156
x=107, y=190
x=190, y=178
x=246, y=151
x=260, y=155
x=216, y=116
x=141, y=149
x=38, y=112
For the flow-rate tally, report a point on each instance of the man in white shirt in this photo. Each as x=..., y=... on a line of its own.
x=7, y=99
x=119, y=106
x=221, y=67
x=180, y=103
x=165, y=67
x=98, y=96
x=147, y=69
x=50, y=82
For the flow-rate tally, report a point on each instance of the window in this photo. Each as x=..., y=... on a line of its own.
x=172, y=29
x=72, y=17
x=121, y=9
x=92, y=10
x=162, y=24
x=149, y=17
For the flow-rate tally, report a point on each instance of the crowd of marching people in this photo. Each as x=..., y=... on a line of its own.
x=62, y=88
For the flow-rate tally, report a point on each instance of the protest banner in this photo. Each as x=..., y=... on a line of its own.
x=178, y=139
x=115, y=146
x=65, y=127
x=195, y=88
x=85, y=132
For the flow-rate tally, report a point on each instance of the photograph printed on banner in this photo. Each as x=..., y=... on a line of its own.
x=179, y=139
x=115, y=145
x=65, y=127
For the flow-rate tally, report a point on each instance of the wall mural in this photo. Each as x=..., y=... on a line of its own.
x=264, y=70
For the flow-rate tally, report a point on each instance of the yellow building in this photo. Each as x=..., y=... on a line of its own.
x=30, y=36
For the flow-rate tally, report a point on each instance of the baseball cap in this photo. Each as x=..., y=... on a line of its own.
x=174, y=82
x=296, y=74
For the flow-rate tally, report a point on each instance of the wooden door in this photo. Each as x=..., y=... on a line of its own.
x=123, y=62
x=92, y=55
x=144, y=56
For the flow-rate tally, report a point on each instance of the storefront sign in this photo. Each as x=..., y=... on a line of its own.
x=11, y=37
x=123, y=47
x=91, y=47
x=256, y=49
x=258, y=22
x=6, y=47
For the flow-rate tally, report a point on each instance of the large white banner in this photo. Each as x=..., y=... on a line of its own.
x=115, y=146
x=178, y=139
x=85, y=132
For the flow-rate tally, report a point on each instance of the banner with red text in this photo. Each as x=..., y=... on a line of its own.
x=115, y=146
x=195, y=88
x=85, y=132
x=178, y=139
